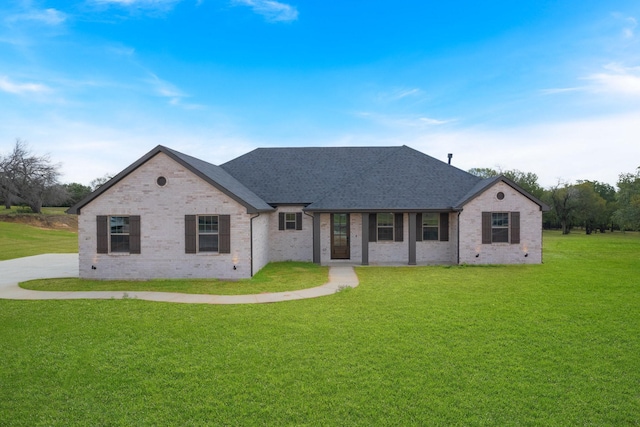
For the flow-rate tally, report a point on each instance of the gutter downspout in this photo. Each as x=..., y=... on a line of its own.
x=458, y=242
x=251, y=243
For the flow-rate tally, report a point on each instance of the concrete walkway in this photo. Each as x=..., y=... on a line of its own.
x=51, y=266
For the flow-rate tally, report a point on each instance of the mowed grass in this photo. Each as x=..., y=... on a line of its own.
x=20, y=240
x=274, y=277
x=552, y=344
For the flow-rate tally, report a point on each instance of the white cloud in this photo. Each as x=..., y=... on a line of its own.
x=273, y=11
x=6, y=85
x=164, y=89
x=598, y=148
x=397, y=95
x=614, y=79
x=45, y=16
x=139, y=3
x=402, y=121
x=167, y=90
x=629, y=25
x=151, y=6
x=403, y=93
x=553, y=91
x=617, y=79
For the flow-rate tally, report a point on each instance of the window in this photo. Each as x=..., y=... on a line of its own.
x=119, y=233
x=500, y=227
x=385, y=226
x=290, y=221
x=208, y=233
x=430, y=226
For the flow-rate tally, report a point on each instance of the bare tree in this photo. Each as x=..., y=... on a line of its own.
x=99, y=182
x=28, y=177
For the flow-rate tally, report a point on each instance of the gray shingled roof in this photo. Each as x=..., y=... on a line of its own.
x=332, y=179
x=352, y=178
x=223, y=181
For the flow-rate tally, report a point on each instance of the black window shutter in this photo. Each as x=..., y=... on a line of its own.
x=486, y=228
x=444, y=226
x=134, y=234
x=281, y=221
x=373, y=227
x=398, y=224
x=224, y=234
x=515, y=227
x=418, y=227
x=190, y=234
x=298, y=220
x=102, y=225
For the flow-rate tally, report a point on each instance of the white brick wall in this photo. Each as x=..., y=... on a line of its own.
x=387, y=252
x=290, y=245
x=162, y=211
x=435, y=252
x=501, y=253
x=261, y=240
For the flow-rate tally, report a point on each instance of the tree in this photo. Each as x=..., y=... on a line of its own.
x=590, y=206
x=28, y=177
x=604, y=216
x=98, y=182
x=528, y=181
x=628, y=213
x=75, y=192
x=563, y=202
x=484, y=172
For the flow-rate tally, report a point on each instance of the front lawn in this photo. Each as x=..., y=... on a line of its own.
x=552, y=344
x=274, y=277
x=20, y=240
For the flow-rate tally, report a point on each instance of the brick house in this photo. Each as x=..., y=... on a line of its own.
x=173, y=215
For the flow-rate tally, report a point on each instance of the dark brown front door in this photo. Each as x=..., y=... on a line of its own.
x=340, y=236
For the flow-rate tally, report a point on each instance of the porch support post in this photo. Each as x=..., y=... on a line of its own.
x=412, y=238
x=365, y=238
x=316, y=237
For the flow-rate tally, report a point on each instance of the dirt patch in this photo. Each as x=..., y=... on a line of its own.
x=53, y=222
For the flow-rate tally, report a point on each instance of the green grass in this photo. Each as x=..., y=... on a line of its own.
x=554, y=344
x=19, y=240
x=274, y=277
x=20, y=210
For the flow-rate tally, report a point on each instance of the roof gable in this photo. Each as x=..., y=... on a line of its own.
x=210, y=173
x=486, y=183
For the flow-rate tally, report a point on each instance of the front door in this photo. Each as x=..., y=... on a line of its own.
x=340, y=236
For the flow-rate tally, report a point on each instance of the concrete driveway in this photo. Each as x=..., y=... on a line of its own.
x=50, y=266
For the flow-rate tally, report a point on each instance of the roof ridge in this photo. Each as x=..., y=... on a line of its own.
x=356, y=174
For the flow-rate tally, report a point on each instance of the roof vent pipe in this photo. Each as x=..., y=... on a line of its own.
x=450, y=155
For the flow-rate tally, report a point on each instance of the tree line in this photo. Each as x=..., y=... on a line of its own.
x=33, y=181
x=590, y=205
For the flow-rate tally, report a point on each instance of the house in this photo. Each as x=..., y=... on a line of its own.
x=170, y=215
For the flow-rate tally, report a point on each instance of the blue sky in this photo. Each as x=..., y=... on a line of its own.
x=551, y=87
